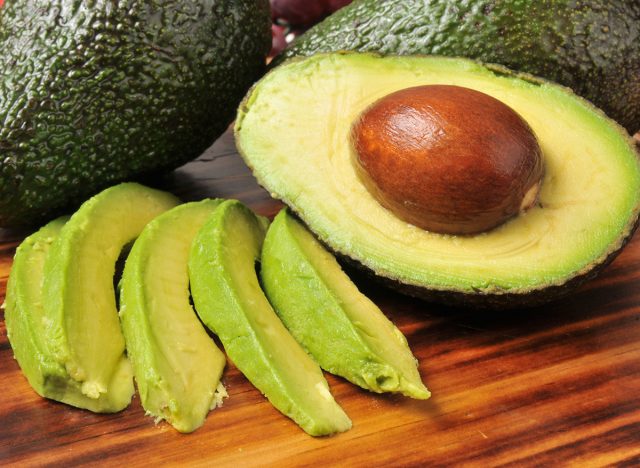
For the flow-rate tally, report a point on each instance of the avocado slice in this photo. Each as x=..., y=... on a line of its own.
x=26, y=324
x=99, y=92
x=346, y=333
x=82, y=327
x=591, y=46
x=588, y=204
x=228, y=299
x=177, y=366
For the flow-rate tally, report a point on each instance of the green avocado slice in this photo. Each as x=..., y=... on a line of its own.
x=26, y=325
x=293, y=130
x=228, y=298
x=177, y=366
x=346, y=333
x=24, y=312
x=82, y=325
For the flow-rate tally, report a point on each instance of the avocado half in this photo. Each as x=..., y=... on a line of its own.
x=293, y=131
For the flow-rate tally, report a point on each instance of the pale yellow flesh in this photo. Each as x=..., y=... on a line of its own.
x=27, y=330
x=176, y=364
x=229, y=300
x=294, y=132
x=345, y=332
x=78, y=294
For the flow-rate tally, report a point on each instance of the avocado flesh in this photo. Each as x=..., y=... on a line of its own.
x=26, y=326
x=346, y=333
x=24, y=312
x=177, y=365
x=228, y=299
x=83, y=329
x=93, y=93
x=293, y=130
x=591, y=46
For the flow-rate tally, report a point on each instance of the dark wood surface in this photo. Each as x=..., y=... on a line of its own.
x=554, y=385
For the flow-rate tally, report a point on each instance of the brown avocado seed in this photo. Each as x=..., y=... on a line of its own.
x=447, y=159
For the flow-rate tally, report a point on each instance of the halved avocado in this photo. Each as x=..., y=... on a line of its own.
x=346, y=333
x=82, y=329
x=177, y=366
x=293, y=130
x=229, y=300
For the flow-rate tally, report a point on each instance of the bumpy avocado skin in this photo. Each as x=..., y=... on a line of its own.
x=96, y=92
x=591, y=46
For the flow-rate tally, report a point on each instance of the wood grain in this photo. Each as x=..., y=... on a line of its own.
x=554, y=385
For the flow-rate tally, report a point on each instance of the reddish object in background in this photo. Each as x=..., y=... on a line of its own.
x=278, y=39
x=298, y=12
x=333, y=5
x=1, y=2
x=292, y=17
x=304, y=13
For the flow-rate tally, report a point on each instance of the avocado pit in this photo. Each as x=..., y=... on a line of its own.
x=447, y=159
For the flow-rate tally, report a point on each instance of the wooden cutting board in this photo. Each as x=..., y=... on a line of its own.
x=547, y=386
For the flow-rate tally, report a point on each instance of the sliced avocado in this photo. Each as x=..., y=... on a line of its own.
x=93, y=93
x=346, y=333
x=293, y=129
x=592, y=46
x=177, y=366
x=228, y=299
x=24, y=312
x=26, y=324
x=82, y=327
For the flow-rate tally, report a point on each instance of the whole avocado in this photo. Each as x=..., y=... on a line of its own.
x=591, y=46
x=93, y=92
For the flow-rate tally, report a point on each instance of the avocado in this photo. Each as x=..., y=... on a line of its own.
x=26, y=328
x=591, y=46
x=98, y=92
x=227, y=297
x=346, y=333
x=177, y=366
x=24, y=312
x=81, y=326
x=587, y=207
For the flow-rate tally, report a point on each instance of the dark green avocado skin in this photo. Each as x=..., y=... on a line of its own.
x=97, y=92
x=591, y=46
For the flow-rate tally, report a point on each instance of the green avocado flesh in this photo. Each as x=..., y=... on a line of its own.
x=82, y=330
x=228, y=299
x=26, y=326
x=592, y=46
x=96, y=92
x=177, y=366
x=342, y=329
x=293, y=131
